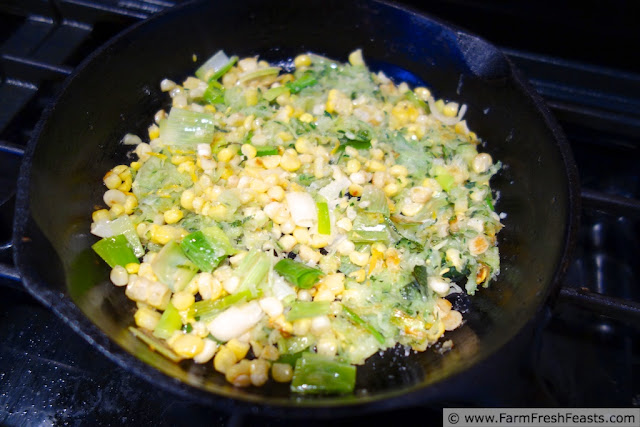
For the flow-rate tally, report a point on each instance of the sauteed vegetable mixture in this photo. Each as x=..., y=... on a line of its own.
x=288, y=222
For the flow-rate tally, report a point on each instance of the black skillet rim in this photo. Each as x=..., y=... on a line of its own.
x=64, y=308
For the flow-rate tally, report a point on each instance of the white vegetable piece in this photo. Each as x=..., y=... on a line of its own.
x=438, y=285
x=235, y=321
x=331, y=192
x=272, y=306
x=302, y=208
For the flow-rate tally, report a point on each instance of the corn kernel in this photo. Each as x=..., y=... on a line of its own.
x=154, y=132
x=186, y=199
x=450, y=109
x=359, y=258
x=288, y=242
x=398, y=170
x=358, y=275
x=239, y=374
x=259, y=372
x=281, y=372
x=146, y=318
x=188, y=345
x=303, y=145
x=306, y=118
x=112, y=180
x=119, y=276
x=226, y=154
x=301, y=235
x=130, y=203
x=100, y=215
x=249, y=151
x=135, y=165
x=290, y=162
x=376, y=166
x=132, y=268
x=173, y=215
x=117, y=210
x=224, y=359
x=239, y=348
x=270, y=352
x=302, y=61
x=391, y=189
x=182, y=300
x=163, y=234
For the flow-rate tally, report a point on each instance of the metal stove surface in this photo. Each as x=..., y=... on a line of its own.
x=584, y=350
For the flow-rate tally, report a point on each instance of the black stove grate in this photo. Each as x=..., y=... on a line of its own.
x=586, y=353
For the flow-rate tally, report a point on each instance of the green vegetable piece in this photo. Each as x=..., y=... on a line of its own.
x=266, y=151
x=489, y=201
x=123, y=225
x=115, y=250
x=290, y=358
x=296, y=345
x=275, y=92
x=411, y=96
x=155, y=344
x=421, y=276
x=169, y=323
x=353, y=317
x=324, y=221
x=446, y=181
x=315, y=374
x=304, y=309
x=173, y=268
x=186, y=128
x=213, y=94
x=207, y=309
x=224, y=69
x=297, y=273
x=207, y=248
x=377, y=200
x=261, y=72
x=306, y=80
x=253, y=269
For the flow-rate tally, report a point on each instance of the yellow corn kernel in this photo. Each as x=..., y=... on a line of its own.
x=302, y=61
x=225, y=358
x=353, y=166
x=303, y=145
x=239, y=374
x=226, y=173
x=290, y=162
x=285, y=136
x=126, y=185
x=186, y=199
x=450, y=109
x=117, y=209
x=306, y=118
x=259, y=372
x=163, y=234
x=132, y=268
x=182, y=300
x=188, y=345
x=391, y=189
x=154, y=132
x=270, y=352
x=112, y=180
x=251, y=96
x=130, y=203
x=100, y=215
x=398, y=170
x=239, y=348
x=330, y=105
x=226, y=154
x=281, y=372
x=358, y=275
x=249, y=151
x=355, y=58
x=173, y=215
x=135, y=165
x=146, y=318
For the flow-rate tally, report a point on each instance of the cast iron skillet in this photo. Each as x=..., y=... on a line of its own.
x=117, y=91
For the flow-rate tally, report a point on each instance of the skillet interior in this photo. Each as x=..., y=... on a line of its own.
x=117, y=91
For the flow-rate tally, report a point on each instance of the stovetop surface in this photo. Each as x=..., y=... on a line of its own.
x=575, y=357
